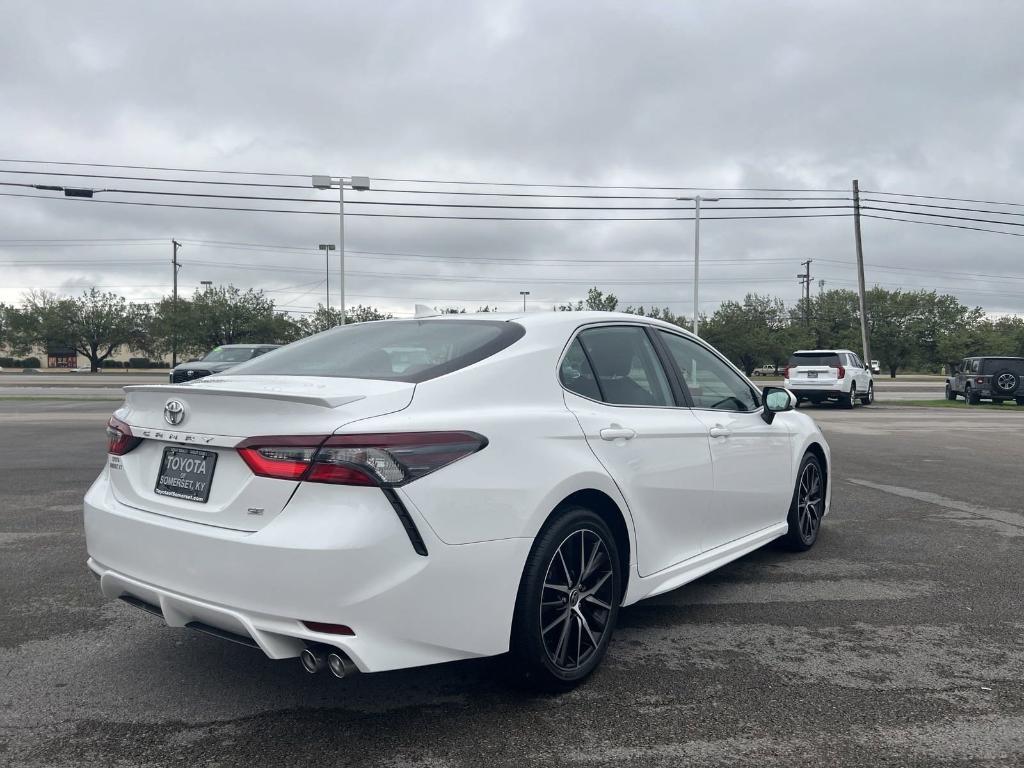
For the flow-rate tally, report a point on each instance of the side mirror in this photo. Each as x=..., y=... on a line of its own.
x=777, y=400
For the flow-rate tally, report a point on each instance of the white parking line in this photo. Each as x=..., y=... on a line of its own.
x=996, y=515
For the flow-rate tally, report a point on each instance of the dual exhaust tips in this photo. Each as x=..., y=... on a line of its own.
x=315, y=657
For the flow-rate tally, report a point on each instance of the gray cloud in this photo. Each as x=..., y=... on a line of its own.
x=916, y=96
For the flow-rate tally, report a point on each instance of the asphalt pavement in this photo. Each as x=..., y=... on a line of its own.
x=897, y=641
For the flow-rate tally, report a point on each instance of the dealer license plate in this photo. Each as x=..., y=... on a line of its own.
x=186, y=473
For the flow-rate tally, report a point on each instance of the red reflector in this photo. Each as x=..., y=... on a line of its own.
x=119, y=437
x=339, y=474
x=330, y=629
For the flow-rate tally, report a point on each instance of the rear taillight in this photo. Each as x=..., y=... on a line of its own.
x=840, y=372
x=374, y=459
x=785, y=372
x=119, y=437
x=980, y=380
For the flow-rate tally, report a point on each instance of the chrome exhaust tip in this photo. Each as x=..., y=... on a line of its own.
x=313, y=660
x=341, y=666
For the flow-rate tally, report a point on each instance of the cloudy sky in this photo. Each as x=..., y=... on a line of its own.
x=911, y=97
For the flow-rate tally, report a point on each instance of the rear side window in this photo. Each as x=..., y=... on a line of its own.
x=626, y=366
x=828, y=359
x=390, y=350
x=576, y=374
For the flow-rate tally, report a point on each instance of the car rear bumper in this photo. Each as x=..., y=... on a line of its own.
x=815, y=389
x=336, y=555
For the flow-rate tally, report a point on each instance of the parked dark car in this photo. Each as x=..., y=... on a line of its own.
x=988, y=378
x=217, y=360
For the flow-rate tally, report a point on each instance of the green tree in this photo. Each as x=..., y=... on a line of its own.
x=750, y=333
x=831, y=319
x=217, y=316
x=324, y=318
x=596, y=301
x=898, y=326
x=950, y=329
x=95, y=324
x=660, y=314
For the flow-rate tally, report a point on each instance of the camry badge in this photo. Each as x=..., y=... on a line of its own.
x=174, y=412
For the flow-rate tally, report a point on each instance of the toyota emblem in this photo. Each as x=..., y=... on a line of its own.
x=174, y=412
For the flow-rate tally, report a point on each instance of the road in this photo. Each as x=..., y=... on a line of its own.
x=896, y=641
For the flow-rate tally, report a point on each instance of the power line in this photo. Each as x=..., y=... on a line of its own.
x=421, y=216
x=942, y=207
x=938, y=197
x=602, y=186
x=320, y=201
x=944, y=216
x=420, y=181
x=941, y=224
x=152, y=168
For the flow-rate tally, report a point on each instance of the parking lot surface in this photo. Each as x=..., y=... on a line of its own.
x=897, y=640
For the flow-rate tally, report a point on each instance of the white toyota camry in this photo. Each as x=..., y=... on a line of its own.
x=406, y=492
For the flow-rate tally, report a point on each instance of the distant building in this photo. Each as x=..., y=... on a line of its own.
x=61, y=357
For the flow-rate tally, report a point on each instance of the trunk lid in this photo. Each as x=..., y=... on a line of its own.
x=219, y=412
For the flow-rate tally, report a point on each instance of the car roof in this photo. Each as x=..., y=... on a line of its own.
x=552, y=320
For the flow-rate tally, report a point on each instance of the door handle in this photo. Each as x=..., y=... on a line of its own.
x=616, y=432
x=719, y=431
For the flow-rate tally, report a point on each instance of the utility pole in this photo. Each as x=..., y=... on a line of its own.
x=805, y=289
x=175, y=245
x=865, y=340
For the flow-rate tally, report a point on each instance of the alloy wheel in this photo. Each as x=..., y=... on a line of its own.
x=576, y=602
x=809, y=502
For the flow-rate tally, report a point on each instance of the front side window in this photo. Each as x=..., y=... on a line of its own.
x=390, y=350
x=626, y=367
x=711, y=383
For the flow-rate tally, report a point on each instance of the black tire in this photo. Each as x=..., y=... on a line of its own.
x=1005, y=382
x=970, y=396
x=869, y=398
x=806, y=508
x=1019, y=400
x=950, y=394
x=557, y=594
x=850, y=400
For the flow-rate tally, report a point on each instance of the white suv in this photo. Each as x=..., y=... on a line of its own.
x=830, y=374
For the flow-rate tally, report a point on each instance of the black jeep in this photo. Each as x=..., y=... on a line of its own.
x=991, y=378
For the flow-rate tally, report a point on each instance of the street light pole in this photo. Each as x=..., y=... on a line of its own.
x=524, y=294
x=697, y=199
x=360, y=183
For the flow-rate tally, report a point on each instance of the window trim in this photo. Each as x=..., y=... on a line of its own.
x=758, y=398
x=646, y=328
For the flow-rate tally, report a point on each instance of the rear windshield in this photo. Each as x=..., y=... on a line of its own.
x=829, y=359
x=391, y=350
x=229, y=355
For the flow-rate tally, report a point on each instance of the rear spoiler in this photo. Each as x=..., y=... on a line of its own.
x=188, y=389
